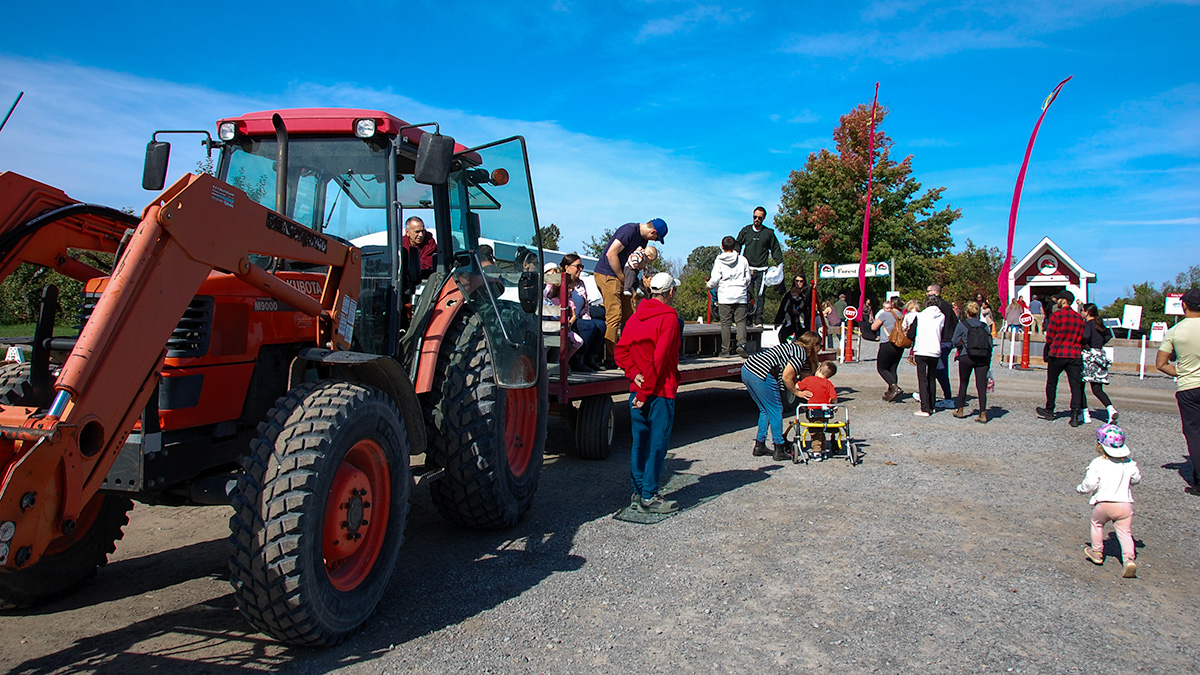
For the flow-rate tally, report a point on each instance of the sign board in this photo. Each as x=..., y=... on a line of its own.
x=850, y=270
x=1158, y=331
x=1174, y=304
x=1132, y=318
x=851, y=313
x=1026, y=319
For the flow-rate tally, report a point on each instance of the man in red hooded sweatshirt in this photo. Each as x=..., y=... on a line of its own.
x=648, y=352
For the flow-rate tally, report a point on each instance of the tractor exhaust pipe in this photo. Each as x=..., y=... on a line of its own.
x=281, y=168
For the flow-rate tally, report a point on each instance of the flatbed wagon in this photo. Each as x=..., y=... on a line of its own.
x=593, y=421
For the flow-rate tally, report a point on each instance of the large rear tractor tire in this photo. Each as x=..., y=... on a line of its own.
x=71, y=559
x=489, y=440
x=594, y=427
x=14, y=382
x=319, y=513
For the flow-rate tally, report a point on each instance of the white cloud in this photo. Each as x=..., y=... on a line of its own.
x=911, y=45
x=688, y=21
x=85, y=130
x=1162, y=221
x=805, y=116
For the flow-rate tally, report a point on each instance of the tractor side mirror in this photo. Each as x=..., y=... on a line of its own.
x=154, y=174
x=433, y=159
x=529, y=290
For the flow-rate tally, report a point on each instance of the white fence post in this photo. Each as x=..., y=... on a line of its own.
x=1142, y=367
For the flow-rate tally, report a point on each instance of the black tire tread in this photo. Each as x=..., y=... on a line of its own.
x=54, y=576
x=464, y=413
x=592, y=439
x=279, y=473
x=14, y=382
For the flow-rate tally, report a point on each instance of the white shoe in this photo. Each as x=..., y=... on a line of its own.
x=921, y=413
x=1112, y=415
x=1087, y=416
x=917, y=396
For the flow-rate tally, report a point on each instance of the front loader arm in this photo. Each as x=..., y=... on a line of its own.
x=54, y=460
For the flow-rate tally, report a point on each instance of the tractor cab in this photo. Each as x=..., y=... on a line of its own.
x=352, y=174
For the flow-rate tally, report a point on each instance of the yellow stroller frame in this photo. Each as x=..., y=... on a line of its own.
x=821, y=417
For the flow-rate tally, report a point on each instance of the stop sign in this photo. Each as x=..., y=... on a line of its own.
x=1026, y=319
x=851, y=313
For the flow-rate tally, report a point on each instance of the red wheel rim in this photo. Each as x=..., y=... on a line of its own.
x=520, y=427
x=356, y=515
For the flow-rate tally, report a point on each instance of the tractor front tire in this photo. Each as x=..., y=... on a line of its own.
x=319, y=513
x=71, y=559
x=489, y=440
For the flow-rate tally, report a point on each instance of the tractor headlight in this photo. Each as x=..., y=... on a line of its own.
x=364, y=128
x=226, y=131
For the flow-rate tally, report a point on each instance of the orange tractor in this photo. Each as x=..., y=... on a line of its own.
x=265, y=340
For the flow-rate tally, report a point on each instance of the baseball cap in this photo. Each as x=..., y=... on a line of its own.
x=550, y=267
x=1112, y=438
x=660, y=226
x=1192, y=298
x=663, y=282
x=1064, y=294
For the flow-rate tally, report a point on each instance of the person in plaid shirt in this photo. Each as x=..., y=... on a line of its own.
x=1064, y=338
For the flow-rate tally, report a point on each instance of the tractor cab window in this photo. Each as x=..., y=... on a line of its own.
x=493, y=219
x=335, y=185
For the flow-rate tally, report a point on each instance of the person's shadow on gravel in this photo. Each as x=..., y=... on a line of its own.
x=1184, y=468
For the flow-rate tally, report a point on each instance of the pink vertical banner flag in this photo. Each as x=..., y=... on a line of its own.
x=1002, y=280
x=862, y=263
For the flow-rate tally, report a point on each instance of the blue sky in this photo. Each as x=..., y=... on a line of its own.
x=691, y=112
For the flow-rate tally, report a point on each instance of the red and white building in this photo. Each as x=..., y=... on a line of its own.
x=1046, y=270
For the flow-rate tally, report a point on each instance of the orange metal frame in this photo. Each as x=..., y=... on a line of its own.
x=198, y=225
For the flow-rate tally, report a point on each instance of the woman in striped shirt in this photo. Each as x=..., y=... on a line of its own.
x=762, y=374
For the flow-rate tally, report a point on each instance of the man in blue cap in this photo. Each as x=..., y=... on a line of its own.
x=610, y=275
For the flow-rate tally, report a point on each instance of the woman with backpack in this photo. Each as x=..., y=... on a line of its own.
x=887, y=360
x=974, y=342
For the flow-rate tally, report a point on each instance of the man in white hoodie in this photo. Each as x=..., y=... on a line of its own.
x=731, y=277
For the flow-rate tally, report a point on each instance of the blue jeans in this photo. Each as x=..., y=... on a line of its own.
x=591, y=331
x=651, y=436
x=770, y=410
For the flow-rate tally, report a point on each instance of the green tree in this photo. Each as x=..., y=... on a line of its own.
x=1186, y=280
x=1151, y=300
x=823, y=204
x=691, y=300
x=550, y=236
x=595, y=246
x=965, y=274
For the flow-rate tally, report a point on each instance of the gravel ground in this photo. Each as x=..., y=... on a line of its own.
x=952, y=547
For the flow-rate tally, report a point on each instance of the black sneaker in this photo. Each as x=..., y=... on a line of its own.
x=1044, y=414
x=741, y=351
x=657, y=504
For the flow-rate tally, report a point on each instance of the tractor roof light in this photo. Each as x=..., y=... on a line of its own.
x=364, y=128
x=227, y=131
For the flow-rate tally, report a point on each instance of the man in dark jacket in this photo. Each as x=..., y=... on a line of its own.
x=648, y=352
x=943, y=373
x=759, y=244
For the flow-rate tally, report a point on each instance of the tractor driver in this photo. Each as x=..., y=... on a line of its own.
x=419, y=247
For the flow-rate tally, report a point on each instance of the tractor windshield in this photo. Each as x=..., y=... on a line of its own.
x=335, y=185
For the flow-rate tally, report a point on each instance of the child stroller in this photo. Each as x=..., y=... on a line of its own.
x=824, y=418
